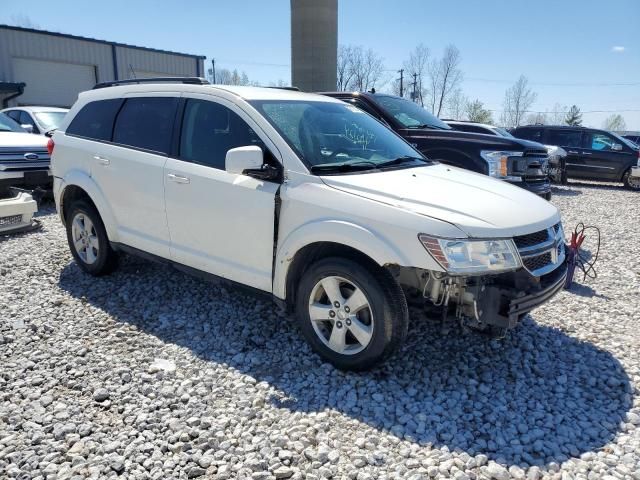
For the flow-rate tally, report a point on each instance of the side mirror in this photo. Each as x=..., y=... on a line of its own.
x=240, y=159
x=616, y=147
x=28, y=127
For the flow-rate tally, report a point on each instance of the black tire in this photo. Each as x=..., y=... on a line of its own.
x=387, y=305
x=106, y=259
x=626, y=180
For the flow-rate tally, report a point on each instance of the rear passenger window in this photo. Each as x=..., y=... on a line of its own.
x=565, y=138
x=533, y=134
x=146, y=123
x=95, y=120
x=210, y=130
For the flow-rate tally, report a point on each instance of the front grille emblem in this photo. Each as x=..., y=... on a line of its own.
x=31, y=156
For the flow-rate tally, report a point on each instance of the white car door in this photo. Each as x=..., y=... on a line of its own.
x=220, y=222
x=130, y=170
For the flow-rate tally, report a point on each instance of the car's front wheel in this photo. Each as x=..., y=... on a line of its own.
x=354, y=316
x=632, y=183
x=88, y=239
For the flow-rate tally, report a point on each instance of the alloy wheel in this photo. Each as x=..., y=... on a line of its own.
x=85, y=238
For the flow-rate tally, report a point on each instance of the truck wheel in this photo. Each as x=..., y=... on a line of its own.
x=632, y=183
x=354, y=316
x=88, y=240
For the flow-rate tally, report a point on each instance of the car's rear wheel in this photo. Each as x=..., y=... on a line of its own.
x=88, y=240
x=354, y=316
x=632, y=183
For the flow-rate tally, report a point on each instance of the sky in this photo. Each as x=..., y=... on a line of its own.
x=582, y=52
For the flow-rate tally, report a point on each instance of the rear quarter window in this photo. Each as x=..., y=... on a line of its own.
x=95, y=120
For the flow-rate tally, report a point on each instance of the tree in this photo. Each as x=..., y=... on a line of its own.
x=444, y=78
x=557, y=114
x=358, y=69
x=225, y=76
x=615, y=123
x=537, y=118
x=573, y=117
x=416, y=67
x=457, y=105
x=517, y=100
x=477, y=113
x=345, y=70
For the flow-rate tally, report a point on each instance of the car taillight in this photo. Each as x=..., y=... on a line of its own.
x=50, y=146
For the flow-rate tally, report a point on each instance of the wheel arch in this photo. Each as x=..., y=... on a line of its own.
x=323, y=239
x=78, y=185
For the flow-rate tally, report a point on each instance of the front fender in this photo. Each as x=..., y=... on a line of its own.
x=371, y=243
x=81, y=179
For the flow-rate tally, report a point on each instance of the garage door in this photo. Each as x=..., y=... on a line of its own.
x=52, y=83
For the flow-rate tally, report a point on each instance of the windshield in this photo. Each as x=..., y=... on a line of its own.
x=502, y=132
x=333, y=136
x=50, y=120
x=7, y=124
x=409, y=114
x=626, y=141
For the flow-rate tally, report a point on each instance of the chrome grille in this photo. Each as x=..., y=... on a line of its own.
x=541, y=252
x=10, y=220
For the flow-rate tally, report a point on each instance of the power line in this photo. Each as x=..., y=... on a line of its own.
x=557, y=84
x=565, y=111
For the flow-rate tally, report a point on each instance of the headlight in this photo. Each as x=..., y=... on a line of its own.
x=472, y=256
x=498, y=162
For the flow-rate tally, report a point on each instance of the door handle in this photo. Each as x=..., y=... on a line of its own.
x=177, y=178
x=572, y=152
x=102, y=160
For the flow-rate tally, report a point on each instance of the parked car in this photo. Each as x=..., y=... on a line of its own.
x=557, y=155
x=592, y=154
x=39, y=120
x=516, y=161
x=305, y=199
x=24, y=160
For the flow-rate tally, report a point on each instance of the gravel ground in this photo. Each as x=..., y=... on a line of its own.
x=150, y=373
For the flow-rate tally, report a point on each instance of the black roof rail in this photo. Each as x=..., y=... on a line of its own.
x=293, y=89
x=189, y=80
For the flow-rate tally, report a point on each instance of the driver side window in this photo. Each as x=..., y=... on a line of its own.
x=210, y=130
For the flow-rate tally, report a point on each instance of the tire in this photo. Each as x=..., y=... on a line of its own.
x=628, y=183
x=88, y=240
x=358, y=339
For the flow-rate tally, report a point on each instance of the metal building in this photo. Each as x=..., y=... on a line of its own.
x=47, y=68
x=314, y=44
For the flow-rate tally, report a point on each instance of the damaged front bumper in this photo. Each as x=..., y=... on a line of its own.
x=16, y=214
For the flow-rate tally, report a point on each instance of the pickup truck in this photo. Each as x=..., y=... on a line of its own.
x=517, y=161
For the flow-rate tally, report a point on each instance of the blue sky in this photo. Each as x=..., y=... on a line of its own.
x=565, y=48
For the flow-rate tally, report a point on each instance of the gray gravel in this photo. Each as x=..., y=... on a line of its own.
x=150, y=373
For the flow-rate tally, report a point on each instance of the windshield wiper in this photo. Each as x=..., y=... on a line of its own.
x=401, y=160
x=425, y=125
x=344, y=167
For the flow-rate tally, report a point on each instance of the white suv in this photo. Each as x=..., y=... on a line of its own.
x=305, y=198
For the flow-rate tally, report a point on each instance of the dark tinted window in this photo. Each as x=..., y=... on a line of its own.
x=147, y=123
x=210, y=130
x=533, y=134
x=565, y=138
x=14, y=114
x=472, y=129
x=25, y=119
x=95, y=120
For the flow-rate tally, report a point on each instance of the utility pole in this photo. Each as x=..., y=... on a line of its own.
x=401, y=71
x=213, y=69
x=415, y=85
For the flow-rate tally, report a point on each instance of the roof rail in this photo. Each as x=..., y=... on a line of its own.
x=293, y=89
x=189, y=80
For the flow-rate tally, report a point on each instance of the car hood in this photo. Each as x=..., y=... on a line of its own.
x=483, y=141
x=24, y=140
x=480, y=206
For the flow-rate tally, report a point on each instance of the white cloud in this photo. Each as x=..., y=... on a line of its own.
x=617, y=49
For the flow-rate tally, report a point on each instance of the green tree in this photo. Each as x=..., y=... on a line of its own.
x=574, y=117
x=477, y=113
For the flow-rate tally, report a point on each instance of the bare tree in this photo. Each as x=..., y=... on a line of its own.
x=615, y=123
x=225, y=76
x=367, y=69
x=557, y=114
x=537, y=118
x=517, y=100
x=22, y=20
x=457, y=105
x=345, y=67
x=416, y=67
x=444, y=78
x=477, y=113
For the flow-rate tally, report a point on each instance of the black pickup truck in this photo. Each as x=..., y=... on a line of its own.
x=517, y=161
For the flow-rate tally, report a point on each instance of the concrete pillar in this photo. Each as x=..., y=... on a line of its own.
x=314, y=44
